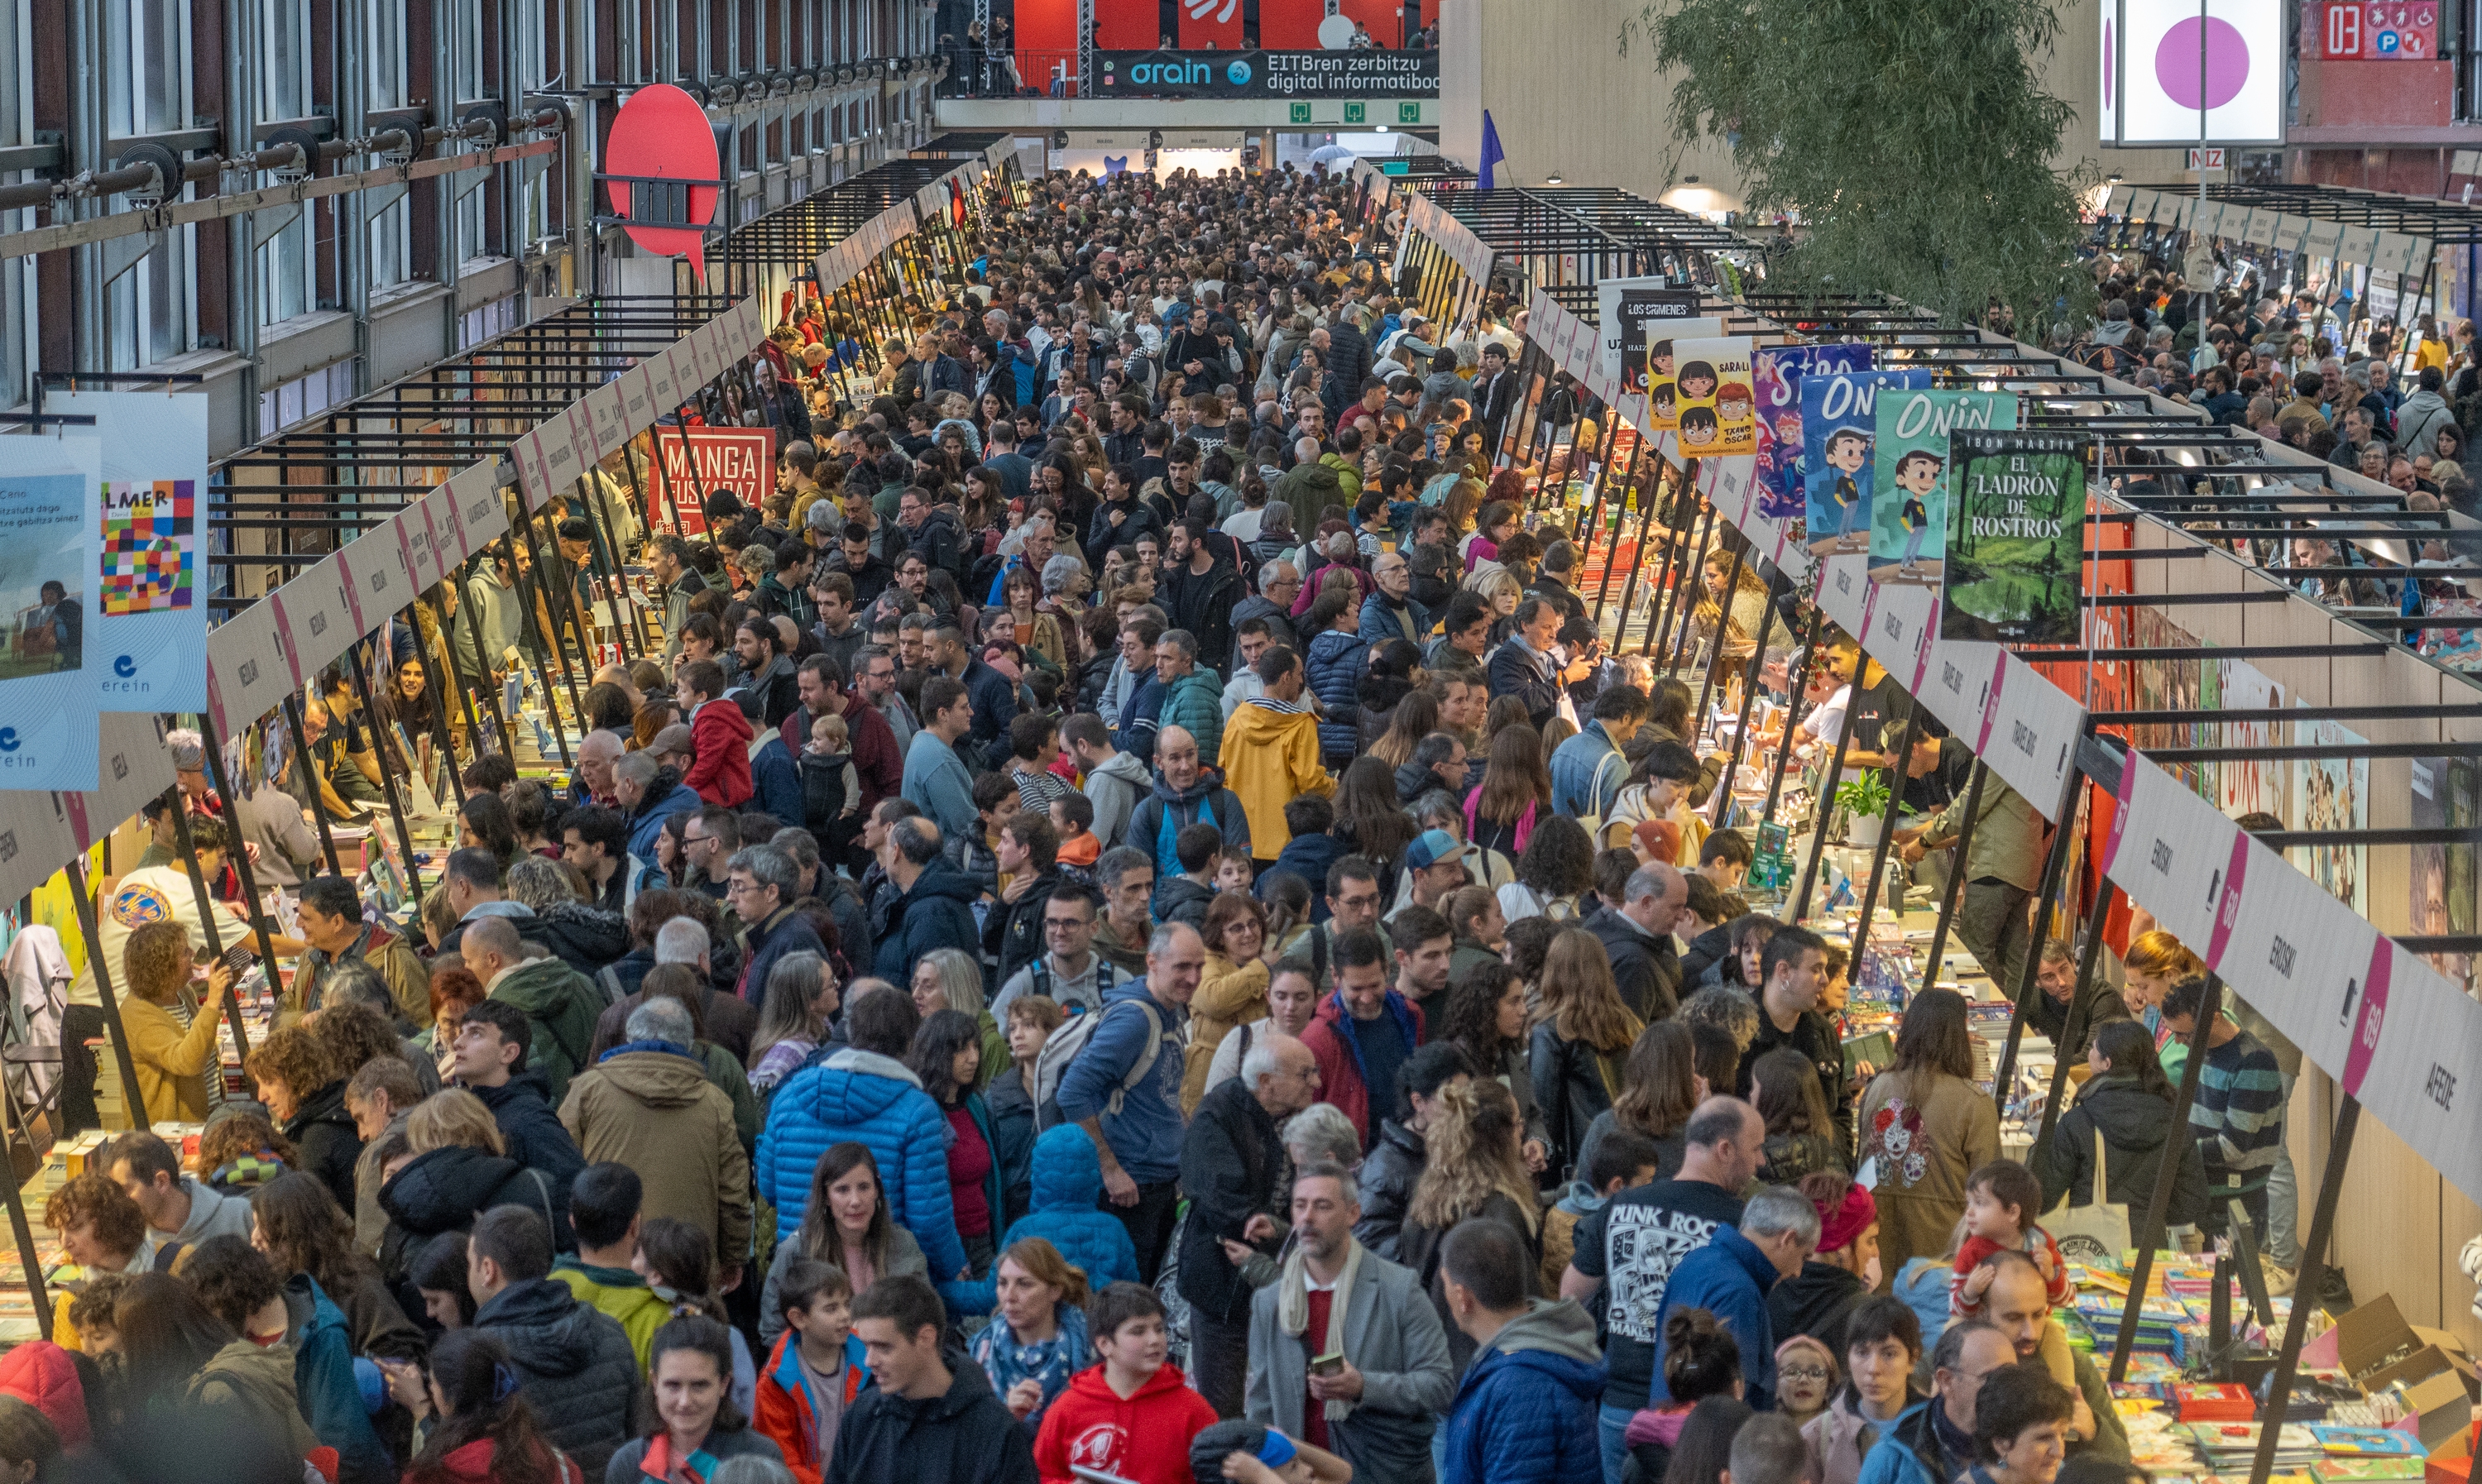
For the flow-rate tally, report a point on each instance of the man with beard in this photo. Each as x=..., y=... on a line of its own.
x=649, y=795
x=1200, y=593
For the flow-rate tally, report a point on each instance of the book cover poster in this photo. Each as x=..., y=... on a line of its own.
x=2011, y=573
x=1780, y=373
x=148, y=505
x=1662, y=397
x=1909, y=476
x=2442, y=875
x=2333, y=793
x=1632, y=312
x=1718, y=407
x=1838, y=422
x=50, y=554
x=2250, y=785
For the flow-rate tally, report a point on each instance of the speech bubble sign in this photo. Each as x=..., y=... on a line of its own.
x=662, y=133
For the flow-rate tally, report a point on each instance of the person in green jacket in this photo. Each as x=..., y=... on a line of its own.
x=559, y=1002
x=603, y=1203
x=1192, y=697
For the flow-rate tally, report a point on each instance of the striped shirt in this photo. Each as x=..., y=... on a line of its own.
x=2237, y=1118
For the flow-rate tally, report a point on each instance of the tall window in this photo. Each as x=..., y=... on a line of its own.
x=19, y=305
x=469, y=191
x=149, y=308
x=288, y=260
x=391, y=228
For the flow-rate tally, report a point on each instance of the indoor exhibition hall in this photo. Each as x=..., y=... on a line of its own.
x=1133, y=741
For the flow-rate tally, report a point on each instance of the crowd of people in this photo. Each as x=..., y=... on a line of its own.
x=1136, y=927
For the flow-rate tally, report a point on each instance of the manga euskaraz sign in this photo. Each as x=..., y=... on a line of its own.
x=1268, y=74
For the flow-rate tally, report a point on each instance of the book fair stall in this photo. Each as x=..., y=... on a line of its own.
x=334, y=574
x=2105, y=610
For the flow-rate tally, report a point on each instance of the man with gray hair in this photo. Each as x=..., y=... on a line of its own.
x=1228, y=1160
x=1628, y=1251
x=1335, y=1297
x=649, y=793
x=1193, y=693
x=1729, y=1278
x=649, y=1105
x=927, y=904
x=761, y=883
x=728, y=1021
x=1637, y=931
x=1124, y=1089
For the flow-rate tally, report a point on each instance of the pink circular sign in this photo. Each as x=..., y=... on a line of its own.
x=2227, y=63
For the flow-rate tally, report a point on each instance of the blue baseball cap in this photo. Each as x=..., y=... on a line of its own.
x=1431, y=847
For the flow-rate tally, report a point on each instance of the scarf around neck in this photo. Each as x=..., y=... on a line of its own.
x=1293, y=1309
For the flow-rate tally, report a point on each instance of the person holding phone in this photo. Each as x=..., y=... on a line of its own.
x=172, y=1031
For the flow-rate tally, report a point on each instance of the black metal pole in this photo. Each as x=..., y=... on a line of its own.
x=1612, y=547
x=483, y=657
x=237, y=851
x=1628, y=588
x=1896, y=770
x=1691, y=583
x=605, y=552
x=442, y=732
x=1955, y=891
x=317, y=806
x=619, y=561
x=2148, y=1234
x=1676, y=576
x=1723, y=616
x=240, y=858
x=1749, y=695
x=1823, y=813
x=2073, y=1026
x=387, y=780
x=23, y=1232
x=2055, y=867
x=1797, y=682
x=2313, y=1270
x=551, y=652
x=129, y=1095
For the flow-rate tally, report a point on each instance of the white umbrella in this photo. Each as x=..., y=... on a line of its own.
x=1333, y=154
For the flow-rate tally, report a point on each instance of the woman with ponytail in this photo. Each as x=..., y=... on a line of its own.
x=2126, y=1106
x=479, y=1429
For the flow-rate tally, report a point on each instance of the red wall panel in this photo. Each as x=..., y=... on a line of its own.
x=1210, y=23
x=1047, y=34
x=1127, y=25
x=1289, y=25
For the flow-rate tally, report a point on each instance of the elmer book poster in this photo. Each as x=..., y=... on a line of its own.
x=2016, y=518
x=1718, y=407
x=1908, y=473
x=1838, y=422
x=1779, y=372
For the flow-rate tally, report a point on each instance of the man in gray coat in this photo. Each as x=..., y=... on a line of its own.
x=1386, y=1380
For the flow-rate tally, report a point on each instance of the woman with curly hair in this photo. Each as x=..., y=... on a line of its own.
x=1555, y=870
x=1475, y=1168
x=1486, y=1019
x=476, y=1428
x=241, y=1152
x=303, y=1233
x=172, y=1034
x=1582, y=1029
x=305, y=1099
x=102, y=1231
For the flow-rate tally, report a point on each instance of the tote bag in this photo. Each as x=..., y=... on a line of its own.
x=2095, y=1234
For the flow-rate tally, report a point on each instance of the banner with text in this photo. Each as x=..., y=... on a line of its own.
x=1269, y=74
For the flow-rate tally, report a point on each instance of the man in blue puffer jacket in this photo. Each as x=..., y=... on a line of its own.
x=865, y=1094
x=1525, y=1411
x=1068, y=1214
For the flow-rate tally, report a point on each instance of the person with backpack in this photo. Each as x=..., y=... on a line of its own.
x=1185, y=793
x=1069, y=972
x=1122, y=1084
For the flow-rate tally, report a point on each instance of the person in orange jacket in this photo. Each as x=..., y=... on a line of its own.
x=719, y=736
x=1134, y=1415
x=815, y=1371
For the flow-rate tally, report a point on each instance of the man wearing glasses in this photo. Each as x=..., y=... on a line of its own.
x=759, y=884
x=875, y=686
x=1934, y=1439
x=707, y=843
x=1069, y=971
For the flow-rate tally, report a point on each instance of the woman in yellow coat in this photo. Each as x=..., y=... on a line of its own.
x=1231, y=992
x=171, y=1037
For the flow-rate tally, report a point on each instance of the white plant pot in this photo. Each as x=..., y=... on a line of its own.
x=1863, y=828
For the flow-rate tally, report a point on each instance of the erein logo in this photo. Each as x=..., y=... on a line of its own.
x=249, y=674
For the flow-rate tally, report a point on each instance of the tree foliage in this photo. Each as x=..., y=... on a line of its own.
x=1914, y=140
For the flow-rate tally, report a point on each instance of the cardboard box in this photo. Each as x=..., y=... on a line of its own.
x=2438, y=1409
x=2363, y=1342
x=2451, y=1462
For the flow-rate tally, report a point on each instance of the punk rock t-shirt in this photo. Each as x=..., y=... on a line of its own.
x=1633, y=1243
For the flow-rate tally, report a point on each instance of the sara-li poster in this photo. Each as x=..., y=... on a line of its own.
x=1910, y=475
x=1662, y=370
x=2012, y=573
x=49, y=558
x=1838, y=422
x=1717, y=404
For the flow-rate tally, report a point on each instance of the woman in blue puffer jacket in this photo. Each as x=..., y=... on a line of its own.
x=1337, y=660
x=1068, y=1184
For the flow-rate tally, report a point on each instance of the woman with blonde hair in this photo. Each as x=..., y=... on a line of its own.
x=2155, y=961
x=950, y=979
x=459, y=1166
x=1582, y=1030
x=1473, y=1167
x=1036, y=1339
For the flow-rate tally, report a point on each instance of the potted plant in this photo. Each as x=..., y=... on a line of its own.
x=1865, y=801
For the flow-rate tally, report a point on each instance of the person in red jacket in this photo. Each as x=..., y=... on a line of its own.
x=1133, y=1416
x=817, y=1369
x=719, y=737
x=1362, y=1033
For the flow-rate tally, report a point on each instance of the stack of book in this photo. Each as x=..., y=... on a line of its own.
x=2214, y=1401
x=2364, y=1455
x=2230, y=1448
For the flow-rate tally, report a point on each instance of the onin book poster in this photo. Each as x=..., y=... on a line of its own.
x=1909, y=476
x=2014, y=571
x=1838, y=420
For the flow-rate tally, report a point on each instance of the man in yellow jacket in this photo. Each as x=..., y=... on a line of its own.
x=1271, y=751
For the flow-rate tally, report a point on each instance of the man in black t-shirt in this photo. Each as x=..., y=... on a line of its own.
x=1629, y=1249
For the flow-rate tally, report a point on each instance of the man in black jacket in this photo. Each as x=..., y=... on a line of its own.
x=929, y=1414
x=1793, y=970
x=491, y=1047
x=573, y=1364
x=1495, y=395
x=1348, y=362
x=1637, y=931
x=1231, y=1160
x=1200, y=592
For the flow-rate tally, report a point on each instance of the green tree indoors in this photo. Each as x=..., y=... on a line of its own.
x=1912, y=139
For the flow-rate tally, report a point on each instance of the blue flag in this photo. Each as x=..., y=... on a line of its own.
x=1491, y=154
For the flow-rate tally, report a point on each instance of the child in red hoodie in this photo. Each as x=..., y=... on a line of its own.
x=1131, y=1417
x=2002, y=1200
x=719, y=736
